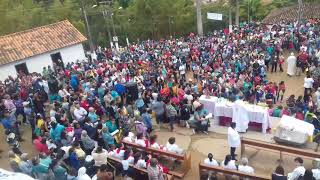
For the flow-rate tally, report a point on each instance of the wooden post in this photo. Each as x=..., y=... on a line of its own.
x=243, y=149
x=281, y=158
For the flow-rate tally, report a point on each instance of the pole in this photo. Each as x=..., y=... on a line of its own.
x=300, y=12
x=199, y=18
x=104, y=12
x=248, y=11
x=169, y=26
x=299, y=19
x=230, y=17
x=87, y=27
x=237, y=12
x=114, y=30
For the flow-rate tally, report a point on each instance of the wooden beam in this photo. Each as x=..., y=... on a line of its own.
x=276, y=147
x=224, y=171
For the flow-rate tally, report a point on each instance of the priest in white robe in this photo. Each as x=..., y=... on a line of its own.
x=233, y=140
x=240, y=116
x=292, y=61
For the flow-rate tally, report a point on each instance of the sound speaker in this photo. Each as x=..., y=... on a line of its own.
x=132, y=91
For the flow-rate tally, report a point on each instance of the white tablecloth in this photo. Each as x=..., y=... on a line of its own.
x=222, y=107
x=293, y=124
x=208, y=102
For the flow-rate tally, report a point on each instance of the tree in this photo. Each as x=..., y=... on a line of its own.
x=253, y=10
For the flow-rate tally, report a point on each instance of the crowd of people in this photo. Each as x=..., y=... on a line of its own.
x=80, y=113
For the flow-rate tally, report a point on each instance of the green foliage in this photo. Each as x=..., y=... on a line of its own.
x=254, y=8
x=136, y=19
x=141, y=19
x=219, y=7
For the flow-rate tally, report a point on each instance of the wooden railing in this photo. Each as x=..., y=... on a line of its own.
x=276, y=147
x=227, y=172
x=142, y=171
x=185, y=158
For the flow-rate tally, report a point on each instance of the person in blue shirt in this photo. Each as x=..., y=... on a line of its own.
x=73, y=159
x=107, y=137
x=55, y=132
x=92, y=115
x=146, y=119
x=74, y=82
x=8, y=121
x=88, y=126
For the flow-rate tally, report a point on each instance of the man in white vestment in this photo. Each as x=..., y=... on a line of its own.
x=292, y=61
x=240, y=116
x=233, y=140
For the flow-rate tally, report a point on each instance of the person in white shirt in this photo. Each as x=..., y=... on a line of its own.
x=228, y=163
x=210, y=161
x=63, y=93
x=292, y=61
x=128, y=136
x=298, y=171
x=316, y=172
x=119, y=152
x=140, y=141
x=243, y=167
x=100, y=156
x=139, y=161
x=182, y=70
x=233, y=140
x=82, y=175
x=308, y=83
x=79, y=113
x=154, y=144
x=172, y=147
x=127, y=160
x=317, y=97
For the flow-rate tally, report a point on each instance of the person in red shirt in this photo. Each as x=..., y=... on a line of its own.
x=299, y=115
x=41, y=145
x=84, y=104
x=280, y=62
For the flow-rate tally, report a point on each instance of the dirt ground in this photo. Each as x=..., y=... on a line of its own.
x=200, y=145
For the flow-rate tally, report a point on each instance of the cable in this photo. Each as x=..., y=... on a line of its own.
x=37, y=8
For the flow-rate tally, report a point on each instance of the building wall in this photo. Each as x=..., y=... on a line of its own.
x=36, y=63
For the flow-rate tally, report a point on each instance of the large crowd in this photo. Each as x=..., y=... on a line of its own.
x=81, y=112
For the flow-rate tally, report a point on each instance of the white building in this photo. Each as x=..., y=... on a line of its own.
x=31, y=50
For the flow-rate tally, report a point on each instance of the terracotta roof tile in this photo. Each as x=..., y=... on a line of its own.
x=24, y=44
x=290, y=14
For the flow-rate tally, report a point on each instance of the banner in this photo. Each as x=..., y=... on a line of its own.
x=214, y=16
